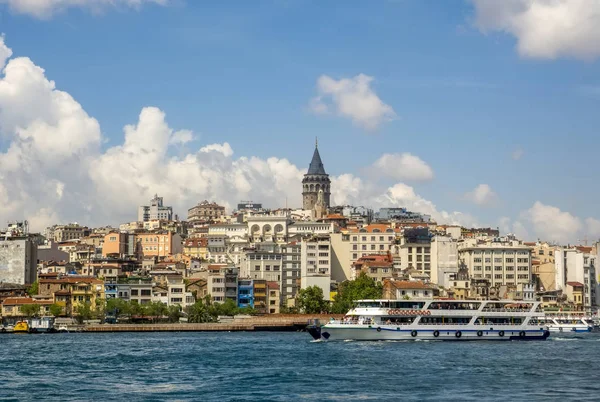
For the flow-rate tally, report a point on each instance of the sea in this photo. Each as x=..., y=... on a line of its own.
x=290, y=366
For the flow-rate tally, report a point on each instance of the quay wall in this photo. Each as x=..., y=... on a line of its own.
x=288, y=322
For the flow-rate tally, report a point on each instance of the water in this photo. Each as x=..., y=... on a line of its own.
x=269, y=366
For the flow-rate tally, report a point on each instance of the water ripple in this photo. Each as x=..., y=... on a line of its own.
x=288, y=366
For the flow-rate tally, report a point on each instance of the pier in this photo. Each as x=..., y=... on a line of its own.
x=287, y=322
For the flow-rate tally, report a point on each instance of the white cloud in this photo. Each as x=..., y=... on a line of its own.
x=47, y=8
x=517, y=154
x=482, y=195
x=224, y=149
x=545, y=29
x=403, y=195
x=551, y=224
x=352, y=98
x=403, y=166
x=53, y=169
x=593, y=227
x=181, y=137
x=5, y=52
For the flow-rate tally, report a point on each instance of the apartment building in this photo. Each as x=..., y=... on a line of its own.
x=501, y=263
x=156, y=210
x=315, y=268
x=351, y=244
x=577, y=266
x=206, y=211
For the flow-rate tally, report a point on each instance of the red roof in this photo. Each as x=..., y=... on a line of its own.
x=72, y=279
x=15, y=301
x=584, y=249
x=409, y=284
x=273, y=285
x=575, y=284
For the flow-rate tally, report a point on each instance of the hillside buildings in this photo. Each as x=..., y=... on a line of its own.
x=156, y=210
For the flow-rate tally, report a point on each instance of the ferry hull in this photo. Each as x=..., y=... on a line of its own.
x=340, y=333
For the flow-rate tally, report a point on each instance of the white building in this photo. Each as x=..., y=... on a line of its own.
x=444, y=260
x=156, y=210
x=316, y=264
x=502, y=263
x=577, y=265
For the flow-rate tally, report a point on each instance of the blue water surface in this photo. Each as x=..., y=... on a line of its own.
x=284, y=366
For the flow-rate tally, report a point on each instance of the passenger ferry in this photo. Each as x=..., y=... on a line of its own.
x=567, y=324
x=374, y=320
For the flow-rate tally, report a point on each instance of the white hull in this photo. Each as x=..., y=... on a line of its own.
x=566, y=328
x=333, y=332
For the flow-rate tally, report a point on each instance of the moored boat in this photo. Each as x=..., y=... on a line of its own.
x=374, y=320
x=21, y=327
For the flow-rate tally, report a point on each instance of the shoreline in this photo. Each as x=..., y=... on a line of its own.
x=281, y=323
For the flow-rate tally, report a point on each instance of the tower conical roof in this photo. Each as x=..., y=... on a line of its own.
x=316, y=165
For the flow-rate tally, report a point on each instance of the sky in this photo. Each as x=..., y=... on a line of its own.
x=477, y=112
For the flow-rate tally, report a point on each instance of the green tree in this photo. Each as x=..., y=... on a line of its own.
x=55, y=310
x=30, y=310
x=229, y=307
x=200, y=312
x=33, y=289
x=116, y=307
x=311, y=301
x=360, y=288
x=84, y=312
x=174, y=312
x=99, y=308
x=157, y=310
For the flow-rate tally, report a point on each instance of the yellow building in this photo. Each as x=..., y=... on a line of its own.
x=11, y=307
x=196, y=248
x=71, y=292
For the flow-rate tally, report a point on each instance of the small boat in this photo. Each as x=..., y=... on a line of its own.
x=21, y=327
x=567, y=324
x=457, y=320
x=63, y=328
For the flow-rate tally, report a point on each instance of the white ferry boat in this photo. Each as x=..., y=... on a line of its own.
x=374, y=320
x=567, y=324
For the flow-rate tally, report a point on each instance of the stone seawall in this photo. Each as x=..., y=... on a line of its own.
x=288, y=322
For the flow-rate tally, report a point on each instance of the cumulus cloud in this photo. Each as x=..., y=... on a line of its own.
x=403, y=166
x=593, y=227
x=47, y=8
x=54, y=170
x=352, y=98
x=545, y=29
x=403, y=195
x=482, y=195
x=224, y=149
x=551, y=224
x=5, y=52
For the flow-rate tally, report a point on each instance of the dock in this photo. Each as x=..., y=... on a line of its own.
x=280, y=322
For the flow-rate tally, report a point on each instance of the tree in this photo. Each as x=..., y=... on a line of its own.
x=200, y=312
x=55, y=310
x=84, y=312
x=311, y=301
x=360, y=288
x=30, y=310
x=33, y=289
x=157, y=310
x=174, y=312
x=229, y=307
x=117, y=307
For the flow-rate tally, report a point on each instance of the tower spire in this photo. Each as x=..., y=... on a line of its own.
x=316, y=142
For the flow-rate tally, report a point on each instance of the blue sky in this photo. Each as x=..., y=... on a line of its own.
x=465, y=95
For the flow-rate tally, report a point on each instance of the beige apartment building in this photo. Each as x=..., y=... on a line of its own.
x=351, y=244
x=500, y=263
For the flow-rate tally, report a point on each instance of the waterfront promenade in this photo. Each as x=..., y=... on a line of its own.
x=279, y=322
